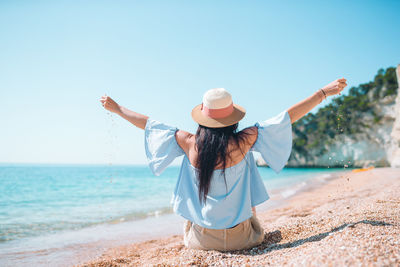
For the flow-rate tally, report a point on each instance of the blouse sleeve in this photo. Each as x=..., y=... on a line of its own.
x=160, y=145
x=274, y=140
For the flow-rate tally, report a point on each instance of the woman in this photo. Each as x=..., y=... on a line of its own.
x=219, y=186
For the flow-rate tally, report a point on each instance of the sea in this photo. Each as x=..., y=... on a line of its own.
x=64, y=214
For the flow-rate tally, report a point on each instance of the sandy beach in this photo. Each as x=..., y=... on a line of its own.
x=353, y=219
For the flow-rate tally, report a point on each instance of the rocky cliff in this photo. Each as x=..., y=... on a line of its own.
x=394, y=149
x=355, y=130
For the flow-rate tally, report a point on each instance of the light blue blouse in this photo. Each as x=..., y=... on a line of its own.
x=230, y=204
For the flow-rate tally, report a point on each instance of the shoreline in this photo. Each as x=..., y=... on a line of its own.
x=349, y=219
x=280, y=197
x=76, y=246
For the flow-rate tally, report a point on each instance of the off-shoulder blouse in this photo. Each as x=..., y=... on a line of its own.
x=227, y=204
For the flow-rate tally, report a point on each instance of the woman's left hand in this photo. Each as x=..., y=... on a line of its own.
x=335, y=87
x=109, y=104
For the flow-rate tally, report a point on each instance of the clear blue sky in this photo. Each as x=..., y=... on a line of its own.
x=158, y=58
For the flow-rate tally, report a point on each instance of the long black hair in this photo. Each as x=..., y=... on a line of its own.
x=212, y=148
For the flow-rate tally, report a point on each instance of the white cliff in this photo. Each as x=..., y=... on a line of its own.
x=394, y=149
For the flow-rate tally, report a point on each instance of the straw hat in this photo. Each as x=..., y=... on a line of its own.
x=217, y=109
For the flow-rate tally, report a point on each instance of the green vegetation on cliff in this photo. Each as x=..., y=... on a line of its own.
x=344, y=115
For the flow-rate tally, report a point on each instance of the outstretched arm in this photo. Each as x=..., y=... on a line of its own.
x=136, y=119
x=300, y=109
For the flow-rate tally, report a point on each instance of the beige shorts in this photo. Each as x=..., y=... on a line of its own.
x=245, y=235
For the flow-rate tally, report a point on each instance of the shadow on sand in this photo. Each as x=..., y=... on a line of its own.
x=272, y=239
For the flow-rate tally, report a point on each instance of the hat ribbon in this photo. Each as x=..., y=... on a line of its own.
x=217, y=113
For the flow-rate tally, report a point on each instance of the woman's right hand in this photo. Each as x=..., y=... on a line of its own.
x=335, y=87
x=109, y=104
x=300, y=109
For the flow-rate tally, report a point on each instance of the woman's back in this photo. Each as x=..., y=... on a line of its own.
x=235, y=154
x=233, y=190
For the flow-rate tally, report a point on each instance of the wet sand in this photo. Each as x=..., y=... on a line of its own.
x=354, y=219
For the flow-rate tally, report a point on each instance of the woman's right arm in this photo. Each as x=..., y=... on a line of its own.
x=135, y=118
x=184, y=139
x=300, y=109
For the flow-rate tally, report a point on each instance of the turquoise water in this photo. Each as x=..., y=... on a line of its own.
x=41, y=199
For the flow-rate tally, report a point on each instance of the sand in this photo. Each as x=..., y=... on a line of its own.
x=353, y=220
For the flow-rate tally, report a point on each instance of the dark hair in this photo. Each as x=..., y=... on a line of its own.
x=212, y=146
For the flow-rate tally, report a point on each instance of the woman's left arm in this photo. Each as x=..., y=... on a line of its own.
x=300, y=109
x=135, y=118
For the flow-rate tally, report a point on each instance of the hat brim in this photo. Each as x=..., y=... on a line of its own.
x=237, y=114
